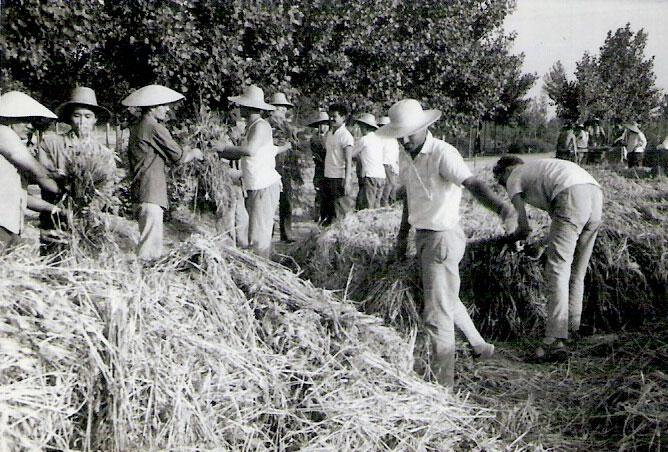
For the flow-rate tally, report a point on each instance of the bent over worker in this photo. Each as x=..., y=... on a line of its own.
x=150, y=150
x=574, y=201
x=434, y=173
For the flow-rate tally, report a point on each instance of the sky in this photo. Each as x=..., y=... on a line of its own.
x=551, y=30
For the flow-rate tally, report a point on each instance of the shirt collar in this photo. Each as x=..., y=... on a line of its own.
x=427, y=146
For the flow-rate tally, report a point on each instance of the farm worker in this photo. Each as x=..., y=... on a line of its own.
x=239, y=214
x=433, y=173
x=566, y=144
x=582, y=142
x=634, y=142
x=17, y=111
x=391, y=165
x=58, y=153
x=597, y=136
x=369, y=151
x=288, y=164
x=151, y=149
x=339, y=144
x=574, y=200
x=257, y=155
x=321, y=123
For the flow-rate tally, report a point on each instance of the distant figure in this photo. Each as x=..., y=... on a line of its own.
x=318, y=152
x=151, y=150
x=339, y=143
x=597, y=136
x=391, y=165
x=582, y=143
x=574, y=201
x=17, y=110
x=566, y=144
x=288, y=164
x=634, y=142
x=369, y=151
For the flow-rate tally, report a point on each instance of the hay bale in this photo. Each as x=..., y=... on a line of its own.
x=211, y=348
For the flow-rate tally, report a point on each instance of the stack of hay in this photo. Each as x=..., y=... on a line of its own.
x=626, y=284
x=212, y=348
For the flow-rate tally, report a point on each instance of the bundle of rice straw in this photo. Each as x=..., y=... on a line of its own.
x=212, y=348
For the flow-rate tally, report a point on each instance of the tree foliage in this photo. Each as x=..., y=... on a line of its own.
x=617, y=84
x=451, y=55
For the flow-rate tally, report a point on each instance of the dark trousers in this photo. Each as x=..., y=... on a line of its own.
x=635, y=159
x=334, y=200
x=285, y=215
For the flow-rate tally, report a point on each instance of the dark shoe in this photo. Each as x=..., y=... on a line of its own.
x=555, y=352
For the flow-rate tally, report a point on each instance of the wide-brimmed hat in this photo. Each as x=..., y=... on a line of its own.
x=252, y=97
x=383, y=120
x=15, y=104
x=320, y=118
x=368, y=119
x=84, y=96
x=152, y=96
x=632, y=126
x=280, y=99
x=406, y=118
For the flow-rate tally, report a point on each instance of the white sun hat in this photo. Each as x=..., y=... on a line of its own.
x=316, y=120
x=151, y=96
x=15, y=104
x=384, y=120
x=407, y=118
x=368, y=119
x=280, y=99
x=252, y=97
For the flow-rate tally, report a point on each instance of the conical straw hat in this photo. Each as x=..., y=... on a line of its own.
x=81, y=95
x=252, y=97
x=15, y=104
x=151, y=96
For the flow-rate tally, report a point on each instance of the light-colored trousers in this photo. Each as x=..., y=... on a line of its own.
x=233, y=220
x=439, y=254
x=389, y=195
x=150, y=231
x=576, y=219
x=261, y=206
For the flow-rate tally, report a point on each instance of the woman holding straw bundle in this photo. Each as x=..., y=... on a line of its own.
x=17, y=111
x=76, y=150
x=150, y=150
x=434, y=173
x=257, y=155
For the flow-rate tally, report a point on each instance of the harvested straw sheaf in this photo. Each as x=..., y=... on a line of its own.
x=626, y=285
x=211, y=348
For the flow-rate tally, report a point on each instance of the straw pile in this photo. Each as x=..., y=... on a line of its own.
x=211, y=348
x=626, y=283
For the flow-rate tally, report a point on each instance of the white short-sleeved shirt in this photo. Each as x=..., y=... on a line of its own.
x=13, y=198
x=391, y=153
x=540, y=181
x=259, y=170
x=433, y=182
x=370, y=149
x=335, y=159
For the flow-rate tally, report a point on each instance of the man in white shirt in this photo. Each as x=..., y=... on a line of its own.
x=574, y=201
x=391, y=165
x=634, y=141
x=339, y=144
x=434, y=173
x=369, y=150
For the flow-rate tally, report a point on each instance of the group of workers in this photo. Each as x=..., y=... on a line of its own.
x=432, y=173
x=577, y=142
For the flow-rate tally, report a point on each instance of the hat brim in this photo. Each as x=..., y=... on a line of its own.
x=393, y=131
x=245, y=102
x=632, y=127
x=62, y=110
x=317, y=123
x=282, y=104
x=375, y=126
